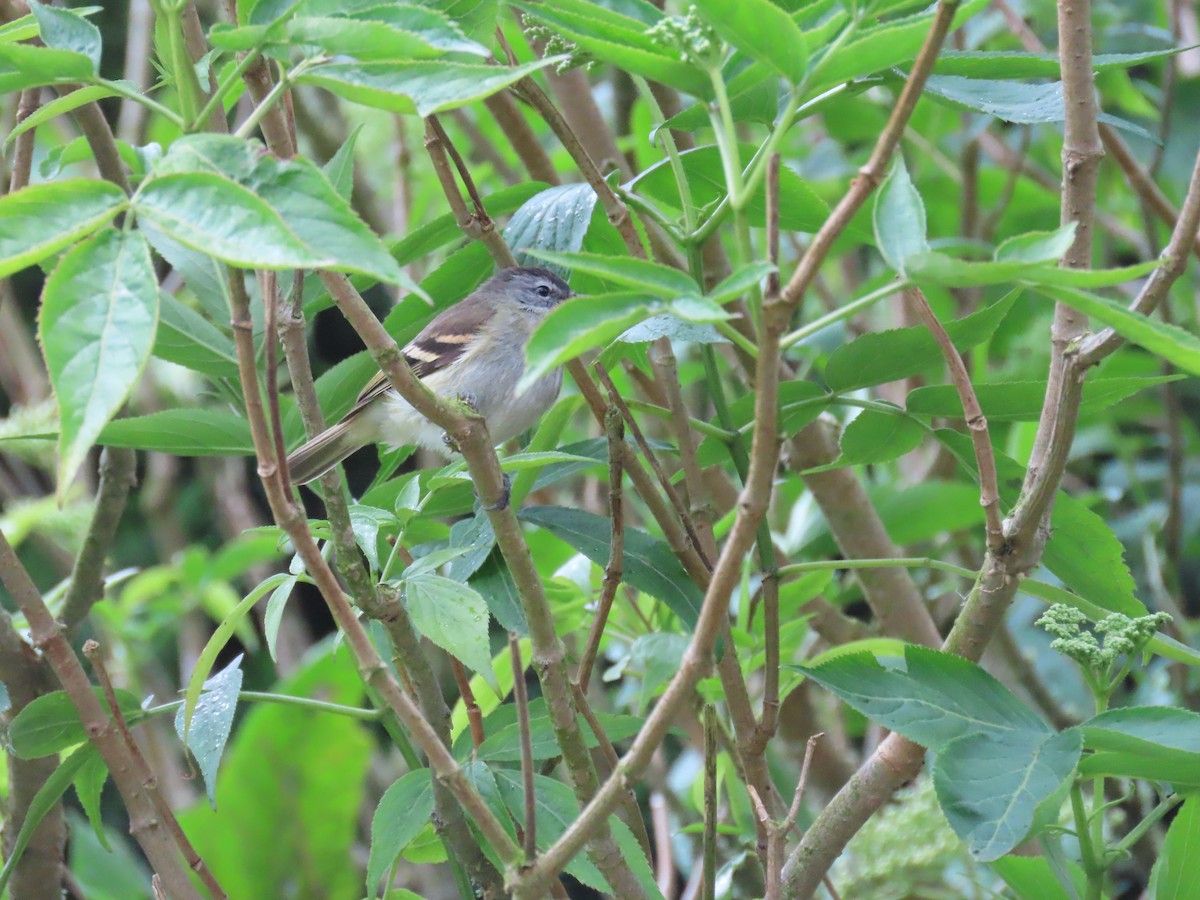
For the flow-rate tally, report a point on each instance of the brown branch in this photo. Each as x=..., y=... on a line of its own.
x=709, y=852
x=117, y=476
x=146, y=825
x=523, y=139
x=268, y=285
x=469, y=433
x=484, y=150
x=615, y=430
x=664, y=864
x=91, y=650
x=476, y=224
x=294, y=522
x=985, y=457
x=23, y=152
x=521, y=699
x=871, y=174
x=474, y=713
x=685, y=515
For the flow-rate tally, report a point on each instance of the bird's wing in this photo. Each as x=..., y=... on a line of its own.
x=440, y=343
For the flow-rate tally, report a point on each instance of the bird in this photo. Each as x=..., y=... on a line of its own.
x=473, y=351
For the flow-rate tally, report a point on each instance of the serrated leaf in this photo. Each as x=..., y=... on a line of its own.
x=212, y=722
x=403, y=810
x=933, y=699
x=640, y=274
x=1179, y=347
x=454, y=617
x=89, y=786
x=367, y=523
x=556, y=218
x=762, y=31
x=64, y=29
x=423, y=88
x=214, y=215
x=50, y=723
x=1176, y=872
x=884, y=356
x=899, y=218
x=990, y=785
x=273, y=615
x=875, y=437
x=97, y=327
x=1153, y=742
x=184, y=432
x=38, y=220
x=495, y=584
x=579, y=325
x=649, y=564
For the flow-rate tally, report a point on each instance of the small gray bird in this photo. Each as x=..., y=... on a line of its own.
x=475, y=350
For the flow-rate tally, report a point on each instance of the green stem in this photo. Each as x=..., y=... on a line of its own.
x=844, y=312
x=1126, y=843
x=1092, y=867
x=285, y=82
x=233, y=76
x=661, y=412
x=351, y=712
x=672, y=151
x=138, y=97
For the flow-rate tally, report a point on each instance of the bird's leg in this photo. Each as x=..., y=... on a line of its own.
x=505, y=495
x=472, y=403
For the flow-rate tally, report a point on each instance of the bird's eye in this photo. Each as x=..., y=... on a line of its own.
x=543, y=290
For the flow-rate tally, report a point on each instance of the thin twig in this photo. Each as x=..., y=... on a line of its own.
x=615, y=429
x=685, y=515
x=23, y=152
x=117, y=475
x=985, y=457
x=146, y=825
x=521, y=699
x=91, y=650
x=470, y=704
x=709, y=891
x=268, y=284
x=664, y=863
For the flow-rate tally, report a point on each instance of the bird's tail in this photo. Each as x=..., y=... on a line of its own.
x=326, y=450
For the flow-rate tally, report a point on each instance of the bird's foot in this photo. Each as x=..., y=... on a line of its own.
x=505, y=496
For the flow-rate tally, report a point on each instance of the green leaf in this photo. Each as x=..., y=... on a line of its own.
x=476, y=17
x=579, y=325
x=672, y=327
x=621, y=41
x=340, y=168
x=1037, y=246
x=649, y=564
x=626, y=271
x=800, y=209
x=899, y=218
x=212, y=721
x=25, y=65
x=762, y=31
x=188, y=339
x=263, y=835
x=1179, y=347
x=454, y=617
x=64, y=104
x=1031, y=878
x=882, y=356
x=1176, y=872
x=1021, y=401
x=204, y=276
x=63, y=29
x=881, y=47
x=1013, y=64
x=1013, y=101
x=274, y=612
x=50, y=724
x=656, y=658
x=89, y=786
x=183, y=432
x=990, y=785
x=739, y=282
x=97, y=326
x=368, y=522
x=875, y=437
x=556, y=808
x=213, y=215
x=38, y=220
x=421, y=87
x=1152, y=742
x=554, y=219
x=198, y=680
x=403, y=810
x=503, y=742
x=43, y=801
x=495, y=584
x=933, y=699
